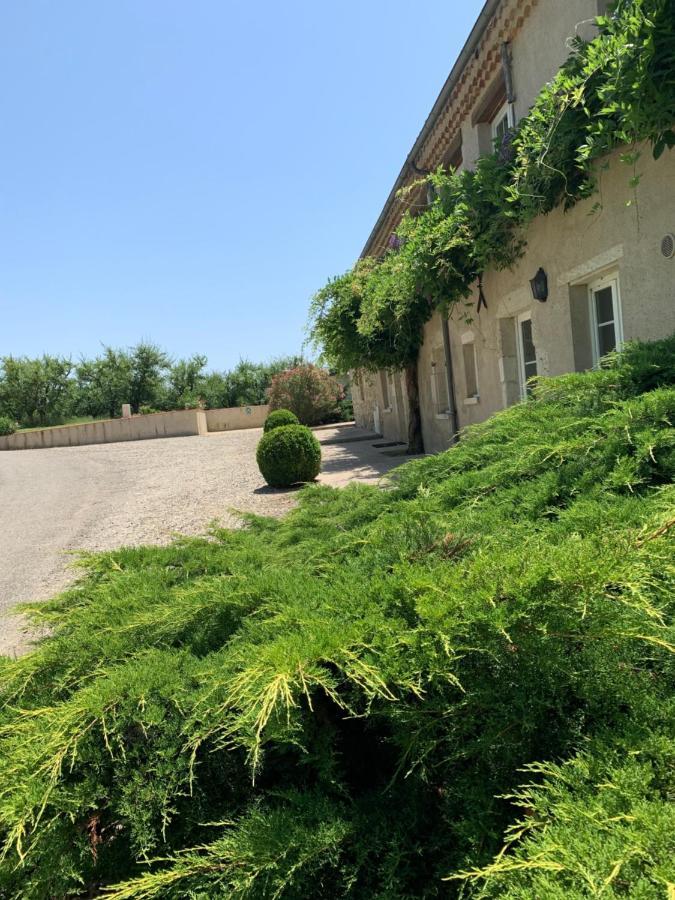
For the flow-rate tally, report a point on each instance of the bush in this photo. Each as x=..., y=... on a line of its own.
x=288, y=455
x=379, y=691
x=279, y=417
x=346, y=409
x=148, y=410
x=7, y=426
x=309, y=392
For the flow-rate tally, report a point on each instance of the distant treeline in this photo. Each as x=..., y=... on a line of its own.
x=50, y=390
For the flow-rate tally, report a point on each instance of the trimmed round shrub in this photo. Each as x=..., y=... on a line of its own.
x=7, y=426
x=288, y=455
x=279, y=417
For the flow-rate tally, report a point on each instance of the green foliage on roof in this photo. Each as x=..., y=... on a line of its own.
x=615, y=91
x=381, y=691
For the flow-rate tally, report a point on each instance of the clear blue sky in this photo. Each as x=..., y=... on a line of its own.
x=190, y=172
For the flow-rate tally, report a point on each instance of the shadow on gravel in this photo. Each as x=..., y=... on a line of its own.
x=266, y=489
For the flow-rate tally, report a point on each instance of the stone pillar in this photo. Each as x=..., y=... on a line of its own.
x=126, y=410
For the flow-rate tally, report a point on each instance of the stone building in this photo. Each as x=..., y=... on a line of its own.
x=610, y=275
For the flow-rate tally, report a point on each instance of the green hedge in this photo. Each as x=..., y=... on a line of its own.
x=288, y=455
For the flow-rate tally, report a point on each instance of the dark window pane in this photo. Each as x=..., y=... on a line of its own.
x=606, y=339
x=604, y=308
x=502, y=126
x=470, y=370
x=529, y=353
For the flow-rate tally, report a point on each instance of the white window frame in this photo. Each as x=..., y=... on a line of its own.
x=504, y=112
x=470, y=399
x=610, y=279
x=522, y=373
x=438, y=370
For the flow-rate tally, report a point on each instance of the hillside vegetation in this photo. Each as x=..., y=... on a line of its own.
x=458, y=687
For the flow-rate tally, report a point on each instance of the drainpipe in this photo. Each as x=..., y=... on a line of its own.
x=452, y=403
x=507, y=69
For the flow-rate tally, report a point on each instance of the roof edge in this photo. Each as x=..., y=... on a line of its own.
x=467, y=50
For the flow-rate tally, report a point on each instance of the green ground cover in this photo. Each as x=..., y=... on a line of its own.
x=458, y=687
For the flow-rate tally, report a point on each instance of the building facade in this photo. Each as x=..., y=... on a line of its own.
x=609, y=262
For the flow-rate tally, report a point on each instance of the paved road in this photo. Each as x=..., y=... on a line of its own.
x=109, y=495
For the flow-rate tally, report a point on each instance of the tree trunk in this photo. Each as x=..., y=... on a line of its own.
x=415, y=440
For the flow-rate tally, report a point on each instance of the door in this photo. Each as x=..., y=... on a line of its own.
x=527, y=354
x=605, y=314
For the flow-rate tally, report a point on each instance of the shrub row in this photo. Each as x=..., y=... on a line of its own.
x=459, y=687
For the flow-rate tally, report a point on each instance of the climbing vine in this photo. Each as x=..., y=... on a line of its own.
x=617, y=90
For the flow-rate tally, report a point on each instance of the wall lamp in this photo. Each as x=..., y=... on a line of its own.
x=539, y=285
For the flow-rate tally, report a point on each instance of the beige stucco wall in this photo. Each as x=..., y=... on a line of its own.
x=542, y=46
x=574, y=248
x=387, y=416
x=236, y=418
x=436, y=423
x=364, y=399
x=538, y=50
x=166, y=424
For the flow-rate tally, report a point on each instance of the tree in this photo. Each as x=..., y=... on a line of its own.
x=362, y=320
x=104, y=383
x=148, y=364
x=185, y=382
x=215, y=390
x=245, y=385
x=309, y=392
x=36, y=391
x=121, y=376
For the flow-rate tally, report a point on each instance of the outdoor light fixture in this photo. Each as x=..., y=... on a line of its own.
x=539, y=285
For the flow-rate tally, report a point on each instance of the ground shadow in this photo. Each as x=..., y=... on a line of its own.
x=266, y=489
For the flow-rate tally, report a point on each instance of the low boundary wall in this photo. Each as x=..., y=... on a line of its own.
x=179, y=423
x=236, y=418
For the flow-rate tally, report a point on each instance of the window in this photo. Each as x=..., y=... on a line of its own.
x=509, y=368
x=439, y=381
x=501, y=122
x=606, y=327
x=493, y=116
x=527, y=354
x=470, y=368
x=384, y=384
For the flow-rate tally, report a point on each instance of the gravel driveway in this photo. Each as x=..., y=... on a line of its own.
x=104, y=496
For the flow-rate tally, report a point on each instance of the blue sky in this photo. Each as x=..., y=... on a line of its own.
x=190, y=172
